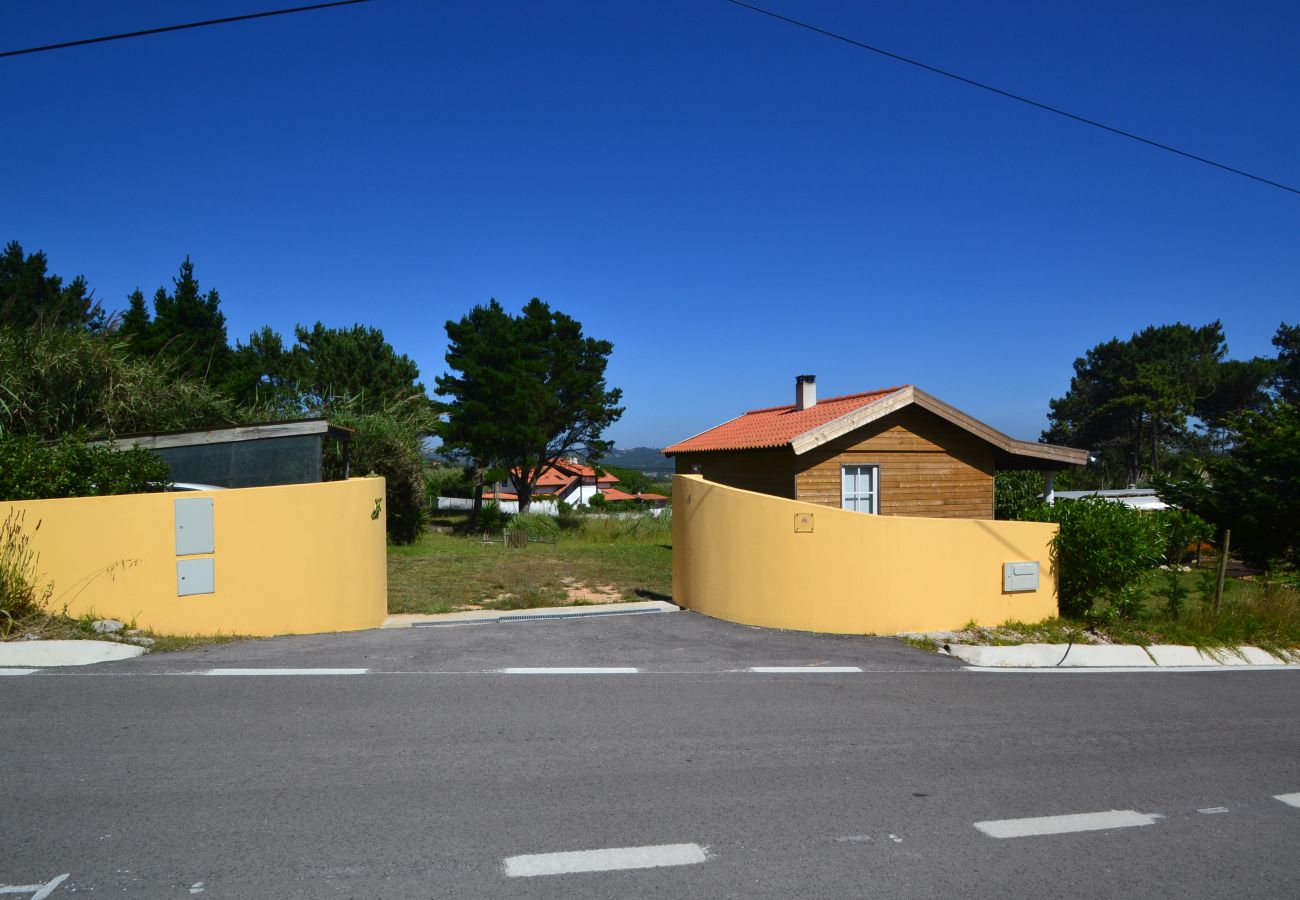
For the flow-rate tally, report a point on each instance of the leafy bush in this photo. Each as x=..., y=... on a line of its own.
x=56, y=381
x=1016, y=492
x=492, y=517
x=1101, y=551
x=1183, y=529
x=389, y=443
x=448, y=481
x=30, y=470
x=21, y=593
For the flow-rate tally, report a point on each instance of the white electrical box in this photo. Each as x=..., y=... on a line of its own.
x=194, y=533
x=1019, y=576
x=195, y=576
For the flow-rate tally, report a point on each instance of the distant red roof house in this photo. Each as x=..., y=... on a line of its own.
x=614, y=495
x=568, y=480
x=893, y=451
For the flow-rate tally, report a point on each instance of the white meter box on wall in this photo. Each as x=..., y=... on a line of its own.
x=1019, y=576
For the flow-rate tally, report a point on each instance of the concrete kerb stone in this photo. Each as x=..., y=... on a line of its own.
x=1065, y=656
x=42, y=654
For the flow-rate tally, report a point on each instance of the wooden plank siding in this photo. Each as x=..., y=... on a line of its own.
x=765, y=471
x=928, y=467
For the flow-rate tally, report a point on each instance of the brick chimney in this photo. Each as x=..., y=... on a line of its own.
x=805, y=391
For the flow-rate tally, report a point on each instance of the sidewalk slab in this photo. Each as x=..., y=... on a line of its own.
x=485, y=616
x=27, y=654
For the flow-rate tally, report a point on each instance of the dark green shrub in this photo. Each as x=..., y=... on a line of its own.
x=492, y=518
x=21, y=591
x=1183, y=529
x=30, y=470
x=1175, y=592
x=388, y=443
x=1103, y=547
x=1016, y=492
x=538, y=526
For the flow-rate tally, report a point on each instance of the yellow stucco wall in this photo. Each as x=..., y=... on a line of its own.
x=737, y=556
x=292, y=559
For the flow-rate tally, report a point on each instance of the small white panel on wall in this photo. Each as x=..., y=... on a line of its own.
x=194, y=576
x=1019, y=576
x=194, y=532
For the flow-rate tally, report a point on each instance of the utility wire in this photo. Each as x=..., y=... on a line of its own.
x=134, y=34
x=1010, y=96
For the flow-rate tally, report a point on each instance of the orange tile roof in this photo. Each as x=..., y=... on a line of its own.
x=563, y=474
x=776, y=426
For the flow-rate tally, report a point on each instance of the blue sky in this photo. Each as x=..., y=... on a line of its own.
x=730, y=200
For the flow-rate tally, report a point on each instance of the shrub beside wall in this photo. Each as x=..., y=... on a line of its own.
x=30, y=470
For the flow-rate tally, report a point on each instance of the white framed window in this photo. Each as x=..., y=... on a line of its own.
x=860, y=491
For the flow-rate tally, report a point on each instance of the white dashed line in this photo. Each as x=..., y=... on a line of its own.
x=286, y=672
x=1288, y=799
x=16, y=672
x=782, y=670
x=1098, y=821
x=615, y=858
x=561, y=670
x=1212, y=810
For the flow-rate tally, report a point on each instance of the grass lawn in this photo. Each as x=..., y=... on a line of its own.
x=598, y=561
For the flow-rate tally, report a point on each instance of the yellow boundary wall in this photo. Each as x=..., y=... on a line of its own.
x=737, y=556
x=292, y=559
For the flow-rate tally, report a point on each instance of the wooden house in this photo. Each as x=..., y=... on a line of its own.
x=897, y=451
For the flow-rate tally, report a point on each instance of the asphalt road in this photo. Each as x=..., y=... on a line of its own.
x=428, y=772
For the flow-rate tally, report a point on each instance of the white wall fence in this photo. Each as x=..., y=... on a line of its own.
x=545, y=507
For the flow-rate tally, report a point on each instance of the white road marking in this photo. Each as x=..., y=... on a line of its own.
x=609, y=860
x=1211, y=810
x=38, y=891
x=286, y=672
x=573, y=670
x=781, y=670
x=1288, y=799
x=18, y=672
x=1098, y=821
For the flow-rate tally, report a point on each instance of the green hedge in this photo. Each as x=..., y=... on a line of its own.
x=30, y=470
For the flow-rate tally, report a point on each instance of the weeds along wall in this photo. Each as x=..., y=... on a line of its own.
x=763, y=560
x=292, y=559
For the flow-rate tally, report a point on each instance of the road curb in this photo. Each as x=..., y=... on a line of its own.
x=1114, y=656
x=40, y=654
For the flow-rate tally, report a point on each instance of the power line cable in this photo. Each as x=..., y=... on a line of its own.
x=1009, y=95
x=166, y=28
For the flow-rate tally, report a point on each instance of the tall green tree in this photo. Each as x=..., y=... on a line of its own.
x=1287, y=373
x=187, y=326
x=537, y=380
x=30, y=295
x=329, y=364
x=261, y=376
x=1131, y=400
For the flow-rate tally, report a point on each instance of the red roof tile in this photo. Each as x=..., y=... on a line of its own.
x=614, y=495
x=776, y=426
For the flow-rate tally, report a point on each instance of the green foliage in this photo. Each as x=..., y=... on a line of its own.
x=447, y=480
x=389, y=442
x=598, y=502
x=21, y=592
x=1101, y=551
x=630, y=480
x=1253, y=489
x=357, y=364
x=30, y=296
x=1130, y=400
x=525, y=391
x=30, y=470
x=261, y=376
x=1175, y=591
x=537, y=526
x=1287, y=372
x=187, y=328
x=492, y=518
x=1015, y=492
x=56, y=381
x=1183, y=529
